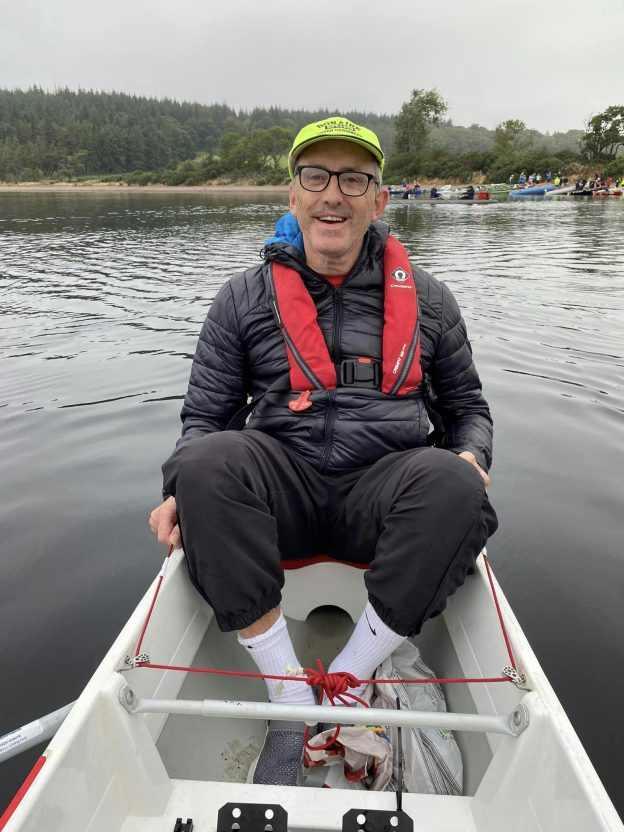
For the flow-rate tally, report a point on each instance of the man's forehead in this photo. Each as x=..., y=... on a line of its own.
x=338, y=153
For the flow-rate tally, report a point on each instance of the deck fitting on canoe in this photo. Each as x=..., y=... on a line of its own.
x=135, y=661
x=376, y=820
x=519, y=679
x=512, y=724
x=250, y=817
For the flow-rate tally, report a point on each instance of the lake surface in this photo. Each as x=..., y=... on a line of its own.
x=103, y=297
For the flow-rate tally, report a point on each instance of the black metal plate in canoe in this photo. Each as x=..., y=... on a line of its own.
x=375, y=820
x=252, y=817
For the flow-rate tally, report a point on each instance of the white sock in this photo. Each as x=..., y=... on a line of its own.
x=371, y=642
x=273, y=653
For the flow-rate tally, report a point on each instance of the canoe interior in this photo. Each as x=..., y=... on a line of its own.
x=197, y=748
x=107, y=770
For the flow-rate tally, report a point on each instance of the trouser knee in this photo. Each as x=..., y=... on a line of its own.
x=206, y=464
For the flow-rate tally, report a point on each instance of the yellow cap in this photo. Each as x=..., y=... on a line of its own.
x=335, y=127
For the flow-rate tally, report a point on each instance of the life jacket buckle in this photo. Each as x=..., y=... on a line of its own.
x=361, y=372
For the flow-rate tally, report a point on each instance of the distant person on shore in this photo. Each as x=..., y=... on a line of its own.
x=522, y=179
x=305, y=431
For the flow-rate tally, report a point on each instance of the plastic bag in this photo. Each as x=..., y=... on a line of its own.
x=361, y=758
x=431, y=759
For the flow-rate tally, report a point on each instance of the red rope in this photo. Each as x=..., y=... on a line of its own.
x=333, y=686
x=153, y=604
x=216, y=672
x=498, y=610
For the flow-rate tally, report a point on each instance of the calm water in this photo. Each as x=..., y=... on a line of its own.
x=102, y=301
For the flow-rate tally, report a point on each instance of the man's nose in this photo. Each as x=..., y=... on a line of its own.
x=332, y=192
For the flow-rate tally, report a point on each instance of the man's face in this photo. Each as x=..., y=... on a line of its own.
x=334, y=225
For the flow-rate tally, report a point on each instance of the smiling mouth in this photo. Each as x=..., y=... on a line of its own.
x=331, y=219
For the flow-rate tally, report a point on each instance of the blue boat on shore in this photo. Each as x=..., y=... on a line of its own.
x=535, y=190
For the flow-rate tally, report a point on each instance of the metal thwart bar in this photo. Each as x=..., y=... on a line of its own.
x=512, y=724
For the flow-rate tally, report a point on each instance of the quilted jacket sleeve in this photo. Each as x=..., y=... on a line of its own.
x=460, y=402
x=217, y=385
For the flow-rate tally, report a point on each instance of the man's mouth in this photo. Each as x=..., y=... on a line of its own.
x=331, y=218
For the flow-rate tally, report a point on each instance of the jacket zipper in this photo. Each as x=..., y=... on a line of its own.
x=408, y=361
x=337, y=356
x=337, y=327
x=329, y=422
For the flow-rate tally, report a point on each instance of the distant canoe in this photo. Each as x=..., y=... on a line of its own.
x=476, y=199
x=596, y=192
x=561, y=191
x=535, y=190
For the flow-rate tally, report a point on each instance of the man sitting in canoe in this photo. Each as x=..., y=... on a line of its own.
x=335, y=338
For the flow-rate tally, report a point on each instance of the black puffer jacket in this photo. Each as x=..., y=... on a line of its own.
x=241, y=353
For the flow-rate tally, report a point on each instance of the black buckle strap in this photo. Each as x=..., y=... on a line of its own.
x=360, y=372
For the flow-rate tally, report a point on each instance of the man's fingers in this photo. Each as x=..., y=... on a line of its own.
x=470, y=457
x=163, y=523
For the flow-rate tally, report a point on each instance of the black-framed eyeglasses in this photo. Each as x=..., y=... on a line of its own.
x=350, y=182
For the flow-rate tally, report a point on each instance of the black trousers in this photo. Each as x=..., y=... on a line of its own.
x=245, y=502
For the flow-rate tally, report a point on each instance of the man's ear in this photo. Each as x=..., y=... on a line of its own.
x=291, y=200
x=381, y=200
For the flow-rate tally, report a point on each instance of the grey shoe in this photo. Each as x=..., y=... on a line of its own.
x=279, y=763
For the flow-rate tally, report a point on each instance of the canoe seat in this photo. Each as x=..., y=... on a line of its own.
x=321, y=581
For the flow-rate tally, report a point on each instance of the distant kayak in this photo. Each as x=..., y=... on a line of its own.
x=596, y=192
x=476, y=199
x=561, y=191
x=535, y=190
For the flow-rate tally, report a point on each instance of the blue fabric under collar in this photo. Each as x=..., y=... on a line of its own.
x=287, y=231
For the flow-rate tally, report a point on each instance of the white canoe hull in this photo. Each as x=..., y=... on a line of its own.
x=107, y=770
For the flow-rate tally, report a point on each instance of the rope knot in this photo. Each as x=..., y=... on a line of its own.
x=332, y=685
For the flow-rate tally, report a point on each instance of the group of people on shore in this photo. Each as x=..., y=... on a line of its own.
x=537, y=178
x=599, y=182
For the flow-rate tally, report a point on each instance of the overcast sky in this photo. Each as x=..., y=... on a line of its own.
x=551, y=63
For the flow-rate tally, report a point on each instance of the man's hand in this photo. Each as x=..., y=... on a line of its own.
x=164, y=523
x=468, y=455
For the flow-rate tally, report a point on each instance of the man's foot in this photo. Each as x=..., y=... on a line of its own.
x=279, y=763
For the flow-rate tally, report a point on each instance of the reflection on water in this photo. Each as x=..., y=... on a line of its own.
x=102, y=300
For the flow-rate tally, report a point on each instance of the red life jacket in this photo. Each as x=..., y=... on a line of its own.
x=311, y=366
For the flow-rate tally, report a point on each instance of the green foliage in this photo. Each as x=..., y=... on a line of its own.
x=615, y=168
x=71, y=135
x=510, y=138
x=456, y=139
x=604, y=135
x=424, y=109
x=440, y=165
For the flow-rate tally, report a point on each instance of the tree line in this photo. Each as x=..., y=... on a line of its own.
x=74, y=135
x=513, y=146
